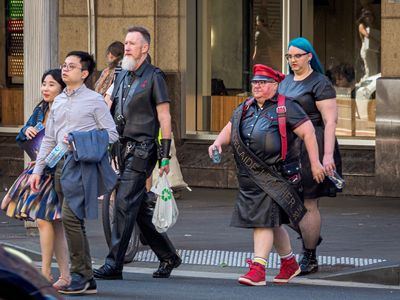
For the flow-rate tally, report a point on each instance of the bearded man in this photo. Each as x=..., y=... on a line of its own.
x=140, y=107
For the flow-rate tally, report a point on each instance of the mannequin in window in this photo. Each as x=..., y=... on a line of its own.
x=370, y=47
x=262, y=42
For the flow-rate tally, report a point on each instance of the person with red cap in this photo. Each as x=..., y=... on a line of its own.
x=269, y=191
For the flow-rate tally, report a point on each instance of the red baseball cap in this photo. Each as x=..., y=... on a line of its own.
x=262, y=72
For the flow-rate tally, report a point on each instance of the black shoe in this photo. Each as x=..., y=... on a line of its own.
x=92, y=289
x=309, y=262
x=78, y=285
x=166, y=267
x=107, y=272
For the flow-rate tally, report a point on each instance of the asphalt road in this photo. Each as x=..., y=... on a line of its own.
x=142, y=286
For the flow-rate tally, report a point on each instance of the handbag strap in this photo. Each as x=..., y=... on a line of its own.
x=281, y=111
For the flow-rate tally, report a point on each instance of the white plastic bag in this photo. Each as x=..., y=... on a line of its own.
x=166, y=212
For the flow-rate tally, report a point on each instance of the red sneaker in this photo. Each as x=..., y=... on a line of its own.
x=256, y=275
x=289, y=269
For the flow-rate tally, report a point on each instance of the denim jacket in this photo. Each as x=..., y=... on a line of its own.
x=37, y=116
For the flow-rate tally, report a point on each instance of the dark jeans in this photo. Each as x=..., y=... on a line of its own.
x=132, y=205
x=75, y=232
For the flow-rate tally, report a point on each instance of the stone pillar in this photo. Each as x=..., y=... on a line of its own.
x=387, y=164
x=40, y=47
x=40, y=52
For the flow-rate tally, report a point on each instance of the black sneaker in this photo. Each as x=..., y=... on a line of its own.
x=107, y=272
x=309, y=263
x=166, y=267
x=78, y=285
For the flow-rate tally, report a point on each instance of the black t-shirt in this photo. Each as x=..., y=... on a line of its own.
x=259, y=129
x=316, y=87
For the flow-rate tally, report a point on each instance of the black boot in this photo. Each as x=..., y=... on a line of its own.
x=309, y=262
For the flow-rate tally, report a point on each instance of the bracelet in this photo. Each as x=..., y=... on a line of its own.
x=164, y=162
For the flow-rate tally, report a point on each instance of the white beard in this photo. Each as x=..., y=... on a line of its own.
x=128, y=63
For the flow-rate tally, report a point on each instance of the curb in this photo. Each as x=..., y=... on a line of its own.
x=384, y=273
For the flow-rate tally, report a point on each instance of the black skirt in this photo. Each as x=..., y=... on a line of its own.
x=254, y=208
x=312, y=189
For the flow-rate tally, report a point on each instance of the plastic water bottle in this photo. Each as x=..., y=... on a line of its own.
x=216, y=156
x=56, y=154
x=39, y=126
x=337, y=180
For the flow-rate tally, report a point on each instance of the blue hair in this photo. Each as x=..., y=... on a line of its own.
x=304, y=44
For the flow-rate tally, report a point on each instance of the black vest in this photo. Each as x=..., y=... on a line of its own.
x=139, y=100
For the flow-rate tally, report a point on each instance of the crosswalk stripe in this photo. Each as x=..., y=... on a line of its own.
x=237, y=258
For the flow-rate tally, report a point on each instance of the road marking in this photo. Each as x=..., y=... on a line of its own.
x=238, y=259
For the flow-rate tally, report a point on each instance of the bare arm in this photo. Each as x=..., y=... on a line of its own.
x=164, y=117
x=223, y=138
x=329, y=114
x=307, y=133
x=362, y=31
x=107, y=98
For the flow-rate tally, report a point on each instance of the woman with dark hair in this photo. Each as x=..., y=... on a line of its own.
x=261, y=132
x=45, y=206
x=307, y=84
x=40, y=112
x=114, y=54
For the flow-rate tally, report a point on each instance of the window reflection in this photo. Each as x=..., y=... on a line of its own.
x=233, y=35
x=352, y=61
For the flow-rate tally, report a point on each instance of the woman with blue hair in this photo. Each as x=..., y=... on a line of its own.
x=307, y=84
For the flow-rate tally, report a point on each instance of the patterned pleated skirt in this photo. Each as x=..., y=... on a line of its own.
x=22, y=203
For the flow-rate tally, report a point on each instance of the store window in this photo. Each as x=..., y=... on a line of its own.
x=11, y=93
x=347, y=39
x=231, y=36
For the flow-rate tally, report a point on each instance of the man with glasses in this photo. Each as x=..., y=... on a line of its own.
x=140, y=107
x=77, y=108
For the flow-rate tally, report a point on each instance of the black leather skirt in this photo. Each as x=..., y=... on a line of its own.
x=254, y=208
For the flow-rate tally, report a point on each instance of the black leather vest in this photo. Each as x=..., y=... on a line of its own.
x=139, y=100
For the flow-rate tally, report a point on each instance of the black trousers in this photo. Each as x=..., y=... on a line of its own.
x=132, y=205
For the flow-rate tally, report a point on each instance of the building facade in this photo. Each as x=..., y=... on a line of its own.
x=207, y=49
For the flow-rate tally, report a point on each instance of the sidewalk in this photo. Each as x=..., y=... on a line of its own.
x=357, y=231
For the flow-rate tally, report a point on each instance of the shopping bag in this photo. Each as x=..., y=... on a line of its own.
x=166, y=212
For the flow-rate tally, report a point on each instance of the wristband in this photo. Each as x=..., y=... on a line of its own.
x=165, y=148
x=164, y=162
